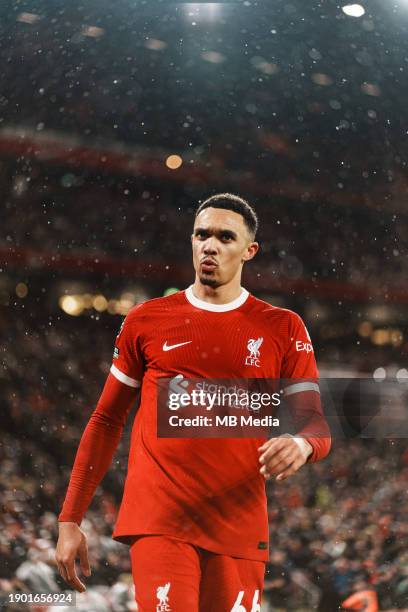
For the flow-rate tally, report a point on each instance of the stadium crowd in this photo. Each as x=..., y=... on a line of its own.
x=336, y=527
x=292, y=101
x=118, y=223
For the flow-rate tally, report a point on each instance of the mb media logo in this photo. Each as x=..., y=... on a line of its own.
x=254, y=353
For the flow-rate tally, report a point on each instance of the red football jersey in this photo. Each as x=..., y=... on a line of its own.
x=208, y=492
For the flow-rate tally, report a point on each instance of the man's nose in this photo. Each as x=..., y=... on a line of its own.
x=210, y=245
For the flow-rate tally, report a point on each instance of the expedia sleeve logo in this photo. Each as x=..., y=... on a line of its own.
x=116, y=352
x=304, y=346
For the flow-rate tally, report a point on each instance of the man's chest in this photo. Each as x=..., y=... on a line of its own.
x=214, y=346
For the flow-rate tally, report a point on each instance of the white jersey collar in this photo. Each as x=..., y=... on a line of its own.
x=195, y=301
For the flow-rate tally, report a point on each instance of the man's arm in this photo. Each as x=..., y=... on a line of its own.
x=97, y=446
x=284, y=455
x=94, y=456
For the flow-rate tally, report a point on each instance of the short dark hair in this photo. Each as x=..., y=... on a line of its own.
x=229, y=201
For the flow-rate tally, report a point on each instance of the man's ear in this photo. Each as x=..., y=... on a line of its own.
x=251, y=251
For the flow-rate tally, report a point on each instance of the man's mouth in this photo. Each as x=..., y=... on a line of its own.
x=208, y=265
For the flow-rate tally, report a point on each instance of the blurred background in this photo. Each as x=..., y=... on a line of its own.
x=115, y=121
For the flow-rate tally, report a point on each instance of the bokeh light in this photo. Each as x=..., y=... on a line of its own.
x=174, y=162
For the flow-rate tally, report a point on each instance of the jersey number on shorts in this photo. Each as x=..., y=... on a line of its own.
x=238, y=607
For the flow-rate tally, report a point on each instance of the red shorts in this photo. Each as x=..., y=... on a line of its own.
x=173, y=576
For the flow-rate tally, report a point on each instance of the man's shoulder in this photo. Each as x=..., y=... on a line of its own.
x=269, y=311
x=162, y=304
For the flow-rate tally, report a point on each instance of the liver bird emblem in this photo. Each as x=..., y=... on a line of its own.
x=253, y=347
x=163, y=594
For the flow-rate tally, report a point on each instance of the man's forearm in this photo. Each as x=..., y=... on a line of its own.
x=94, y=456
x=310, y=423
x=96, y=449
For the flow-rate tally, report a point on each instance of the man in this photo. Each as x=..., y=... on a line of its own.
x=194, y=510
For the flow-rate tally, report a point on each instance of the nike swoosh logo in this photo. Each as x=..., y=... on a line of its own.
x=170, y=347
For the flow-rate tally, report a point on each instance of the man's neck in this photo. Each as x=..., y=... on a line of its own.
x=217, y=295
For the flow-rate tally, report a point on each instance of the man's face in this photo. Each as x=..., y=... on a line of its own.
x=221, y=244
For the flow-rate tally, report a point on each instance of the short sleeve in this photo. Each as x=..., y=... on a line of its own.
x=299, y=360
x=127, y=365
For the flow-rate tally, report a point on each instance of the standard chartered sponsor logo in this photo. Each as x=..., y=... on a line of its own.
x=177, y=386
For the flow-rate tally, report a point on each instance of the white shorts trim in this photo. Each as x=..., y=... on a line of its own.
x=131, y=382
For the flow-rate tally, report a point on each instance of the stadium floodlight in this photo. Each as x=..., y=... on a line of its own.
x=353, y=10
x=93, y=31
x=380, y=374
x=402, y=375
x=30, y=18
x=202, y=11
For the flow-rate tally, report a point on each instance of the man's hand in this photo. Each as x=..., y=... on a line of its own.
x=71, y=544
x=283, y=456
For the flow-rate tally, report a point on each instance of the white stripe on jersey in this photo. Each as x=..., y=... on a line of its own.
x=299, y=387
x=131, y=382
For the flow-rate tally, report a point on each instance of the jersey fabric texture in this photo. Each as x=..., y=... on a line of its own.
x=207, y=492
x=170, y=574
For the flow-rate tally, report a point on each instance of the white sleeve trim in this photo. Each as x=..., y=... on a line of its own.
x=304, y=446
x=299, y=387
x=131, y=382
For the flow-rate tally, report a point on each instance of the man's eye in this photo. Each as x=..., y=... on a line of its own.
x=226, y=237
